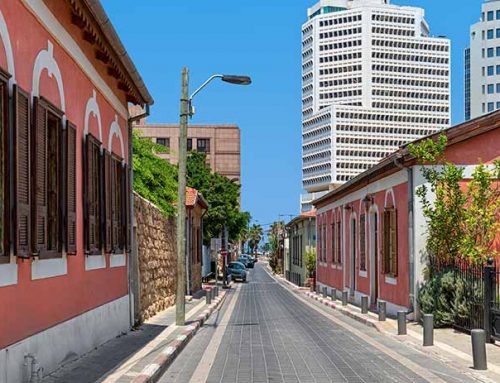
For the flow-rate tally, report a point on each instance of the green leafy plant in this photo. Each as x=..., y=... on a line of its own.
x=463, y=221
x=154, y=178
x=310, y=262
x=462, y=217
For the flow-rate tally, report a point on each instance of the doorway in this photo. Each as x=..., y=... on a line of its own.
x=374, y=254
x=353, y=256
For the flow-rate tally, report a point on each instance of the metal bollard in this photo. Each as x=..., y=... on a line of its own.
x=318, y=289
x=364, y=305
x=334, y=293
x=208, y=296
x=401, y=322
x=344, y=298
x=428, y=330
x=325, y=292
x=311, y=288
x=212, y=293
x=479, y=349
x=382, y=310
x=216, y=291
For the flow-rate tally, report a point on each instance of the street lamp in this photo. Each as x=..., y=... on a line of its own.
x=187, y=111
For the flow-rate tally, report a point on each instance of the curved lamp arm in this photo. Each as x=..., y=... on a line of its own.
x=205, y=84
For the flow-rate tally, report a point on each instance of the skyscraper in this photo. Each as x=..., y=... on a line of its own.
x=482, y=63
x=372, y=80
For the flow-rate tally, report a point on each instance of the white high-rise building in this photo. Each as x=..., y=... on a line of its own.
x=372, y=80
x=482, y=63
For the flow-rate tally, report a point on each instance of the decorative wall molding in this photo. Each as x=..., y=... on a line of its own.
x=45, y=60
x=115, y=130
x=5, y=37
x=92, y=108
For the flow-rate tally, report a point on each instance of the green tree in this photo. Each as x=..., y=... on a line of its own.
x=310, y=262
x=462, y=219
x=255, y=236
x=223, y=197
x=154, y=178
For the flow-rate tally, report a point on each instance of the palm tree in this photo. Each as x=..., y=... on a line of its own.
x=255, y=236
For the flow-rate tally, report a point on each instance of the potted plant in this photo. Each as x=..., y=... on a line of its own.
x=310, y=263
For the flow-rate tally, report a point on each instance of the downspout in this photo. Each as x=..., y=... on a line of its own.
x=133, y=261
x=411, y=232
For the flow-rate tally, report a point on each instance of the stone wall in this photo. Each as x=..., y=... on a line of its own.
x=157, y=257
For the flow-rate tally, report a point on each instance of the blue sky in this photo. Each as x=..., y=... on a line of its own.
x=262, y=39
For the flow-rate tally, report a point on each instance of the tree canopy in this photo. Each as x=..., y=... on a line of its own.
x=223, y=196
x=156, y=180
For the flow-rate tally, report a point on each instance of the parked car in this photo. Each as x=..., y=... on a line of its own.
x=237, y=271
x=244, y=260
x=247, y=261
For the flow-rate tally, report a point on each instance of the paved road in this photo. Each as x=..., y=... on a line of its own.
x=264, y=333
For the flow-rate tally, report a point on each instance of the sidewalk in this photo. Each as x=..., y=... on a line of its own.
x=139, y=355
x=450, y=346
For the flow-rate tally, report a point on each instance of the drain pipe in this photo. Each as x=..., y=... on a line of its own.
x=133, y=264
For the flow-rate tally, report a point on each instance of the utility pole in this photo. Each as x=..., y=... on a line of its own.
x=180, y=298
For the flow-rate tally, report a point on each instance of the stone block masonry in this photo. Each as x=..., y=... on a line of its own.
x=157, y=257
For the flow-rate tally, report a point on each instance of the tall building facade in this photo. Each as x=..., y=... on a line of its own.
x=372, y=80
x=220, y=143
x=482, y=63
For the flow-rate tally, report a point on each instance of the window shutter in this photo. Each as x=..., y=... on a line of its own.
x=126, y=203
x=394, y=243
x=386, y=244
x=109, y=195
x=92, y=191
x=362, y=240
x=40, y=178
x=22, y=172
x=71, y=189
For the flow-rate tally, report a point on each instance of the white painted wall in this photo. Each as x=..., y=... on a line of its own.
x=67, y=340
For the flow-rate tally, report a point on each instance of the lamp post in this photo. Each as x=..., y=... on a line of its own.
x=185, y=112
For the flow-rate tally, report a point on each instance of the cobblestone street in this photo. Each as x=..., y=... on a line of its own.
x=269, y=335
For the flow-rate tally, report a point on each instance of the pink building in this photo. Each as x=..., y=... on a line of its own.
x=65, y=84
x=371, y=231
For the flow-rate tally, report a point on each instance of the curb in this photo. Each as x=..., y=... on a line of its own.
x=364, y=320
x=153, y=371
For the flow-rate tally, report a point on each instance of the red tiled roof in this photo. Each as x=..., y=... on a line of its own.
x=193, y=197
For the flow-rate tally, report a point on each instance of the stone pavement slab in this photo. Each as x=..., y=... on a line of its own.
x=274, y=335
x=103, y=363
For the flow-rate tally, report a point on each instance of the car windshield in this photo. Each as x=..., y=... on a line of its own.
x=236, y=266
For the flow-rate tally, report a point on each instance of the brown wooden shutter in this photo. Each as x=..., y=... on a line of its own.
x=394, y=242
x=108, y=193
x=127, y=222
x=39, y=188
x=386, y=263
x=362, y=240
x=22, y=172
x=71, y=188
x=92, y=191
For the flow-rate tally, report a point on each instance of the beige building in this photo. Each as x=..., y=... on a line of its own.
x=221, y=143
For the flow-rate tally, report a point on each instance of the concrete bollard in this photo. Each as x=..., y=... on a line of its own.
x=479, y=349
x=344, y=298
x=208, y=296
x=212, y=293
x=216, y=291
x=364, y=305
x=325, y=292
x=382, y=313
x=401, y=322
x=318, y=289
x=333, y=293
x=428, y=330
